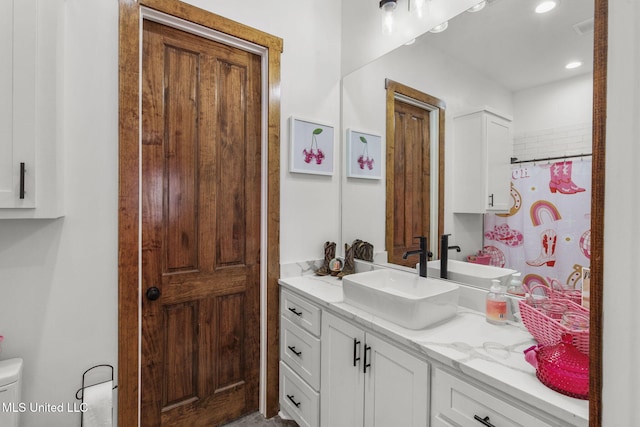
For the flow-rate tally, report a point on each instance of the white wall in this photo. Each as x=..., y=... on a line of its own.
x=58, y=278
x=621, y=390
x=554, y=119
x=364, y=108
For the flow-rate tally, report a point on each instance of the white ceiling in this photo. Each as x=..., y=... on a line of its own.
x=517, y=47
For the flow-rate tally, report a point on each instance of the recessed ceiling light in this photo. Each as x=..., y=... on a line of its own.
x=410, y=42
x=478, y=7
x=440, y=28
x=546, y=6
x=573, y=64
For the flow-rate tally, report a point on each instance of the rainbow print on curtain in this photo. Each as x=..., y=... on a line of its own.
x=546, y=234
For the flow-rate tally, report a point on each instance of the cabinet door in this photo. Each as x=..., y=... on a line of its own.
x=499, y=149
x=341, y=377
x=396, y=387
x=17, y=101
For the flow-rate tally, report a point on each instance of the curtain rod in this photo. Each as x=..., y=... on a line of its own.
x=514, y=160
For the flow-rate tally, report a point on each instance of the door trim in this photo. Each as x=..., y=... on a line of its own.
x=129, y=235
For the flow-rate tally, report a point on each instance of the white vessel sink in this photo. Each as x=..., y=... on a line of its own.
x=403, y=298
x=472, y=274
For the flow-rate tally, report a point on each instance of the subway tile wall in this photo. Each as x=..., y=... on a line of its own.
x=561, y=141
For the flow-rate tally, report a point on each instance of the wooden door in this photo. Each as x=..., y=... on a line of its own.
x=411, y=174
x=200, y=230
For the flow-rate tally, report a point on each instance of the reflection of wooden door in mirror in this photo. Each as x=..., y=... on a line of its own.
x=411, y=180
x=415, y=170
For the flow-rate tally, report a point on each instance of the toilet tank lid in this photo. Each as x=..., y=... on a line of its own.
x=10, y=370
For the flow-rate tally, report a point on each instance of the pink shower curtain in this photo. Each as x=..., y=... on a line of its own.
x=546, y=234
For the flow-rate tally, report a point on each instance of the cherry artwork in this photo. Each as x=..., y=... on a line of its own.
x=364, y=158
x=312, y=153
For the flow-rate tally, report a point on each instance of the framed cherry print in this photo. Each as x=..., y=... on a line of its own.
x=364, y=155
x=311, y=147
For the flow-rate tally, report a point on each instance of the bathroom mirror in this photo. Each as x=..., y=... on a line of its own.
x=367, y=221
x=486, y=58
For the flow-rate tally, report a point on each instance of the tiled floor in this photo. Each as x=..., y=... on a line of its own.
x=257, y=420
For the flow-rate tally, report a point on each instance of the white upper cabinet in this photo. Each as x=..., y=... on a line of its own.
x=31, y=81
x=483, y=145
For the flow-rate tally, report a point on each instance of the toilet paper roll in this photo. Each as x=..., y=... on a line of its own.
x=99, y=405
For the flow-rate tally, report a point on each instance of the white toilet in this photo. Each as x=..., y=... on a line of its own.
x=10, y=382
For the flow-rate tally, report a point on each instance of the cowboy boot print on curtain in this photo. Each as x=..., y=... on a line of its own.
x=560, y=179
x=548, y=251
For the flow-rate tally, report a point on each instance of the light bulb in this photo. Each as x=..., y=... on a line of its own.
x=546, y=6
x=388, y=7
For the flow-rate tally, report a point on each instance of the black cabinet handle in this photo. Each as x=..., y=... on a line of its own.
x=356, y=345
x=294, y=311
x=293, y=350
x=367, y=348
x=491, y=200
x=22, y=172
x=484, y=421
x=290, y=397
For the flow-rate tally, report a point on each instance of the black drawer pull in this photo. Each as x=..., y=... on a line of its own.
x=22, y=172
x=293, y=350
x=293, y=401
x=491, y=200
x=356, y=345
x=484, y=420
x=294, y=311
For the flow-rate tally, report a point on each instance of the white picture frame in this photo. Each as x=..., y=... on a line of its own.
x=311, y=147
x=364, y=155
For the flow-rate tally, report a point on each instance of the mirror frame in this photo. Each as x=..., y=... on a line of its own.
x=600, y=45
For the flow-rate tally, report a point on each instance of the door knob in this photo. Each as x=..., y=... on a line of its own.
x=153, y=293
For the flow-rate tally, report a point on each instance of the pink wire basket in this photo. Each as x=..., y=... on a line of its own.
x=548, y=331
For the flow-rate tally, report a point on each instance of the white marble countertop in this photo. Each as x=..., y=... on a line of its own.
x=489, y=353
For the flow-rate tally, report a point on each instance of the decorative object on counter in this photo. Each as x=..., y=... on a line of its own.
x=329, y=254
x=480, y=258
x=547, y=330
x=515, y=287
x=362, y=250
x=311, y=147
x=335, y=266
x=364, y=155
x=496, y=304
x=349, y=264
x=561, y=367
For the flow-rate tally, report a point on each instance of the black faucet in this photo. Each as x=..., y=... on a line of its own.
x=424, y=253
x=444, y=255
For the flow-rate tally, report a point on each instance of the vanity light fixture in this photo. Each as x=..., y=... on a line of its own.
x=573, y=64
x=388, y=7
x=440, y=28
x=478, y=7
x=546, y=6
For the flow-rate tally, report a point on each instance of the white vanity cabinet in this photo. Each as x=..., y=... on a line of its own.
x=368, y=382
x=31, y=81
x=483, y=146
x=300, y=359
x=457, y=403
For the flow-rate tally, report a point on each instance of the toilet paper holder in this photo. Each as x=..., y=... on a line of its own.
x=80, y=392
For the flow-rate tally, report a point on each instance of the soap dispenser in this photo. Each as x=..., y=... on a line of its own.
x=496, y=304
x=515, y=287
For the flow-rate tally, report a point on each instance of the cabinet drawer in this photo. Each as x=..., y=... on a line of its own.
x=300, y=312
x=297, y=399
x=301, y=351
x=456, y=402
